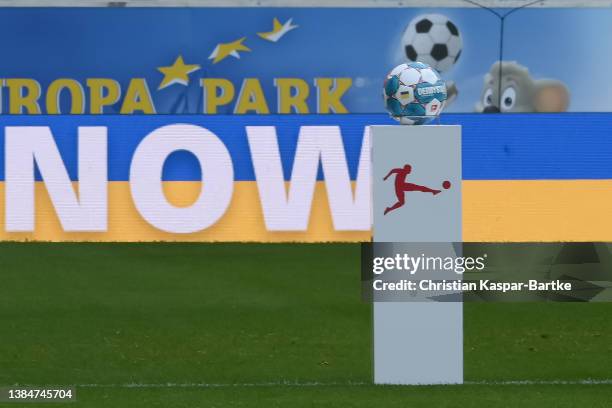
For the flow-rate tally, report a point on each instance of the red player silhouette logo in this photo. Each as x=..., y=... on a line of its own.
x=401, y=186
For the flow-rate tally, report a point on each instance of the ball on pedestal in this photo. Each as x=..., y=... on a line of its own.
x=414, y=93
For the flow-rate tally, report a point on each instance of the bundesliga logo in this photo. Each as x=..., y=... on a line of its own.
x=402, y=186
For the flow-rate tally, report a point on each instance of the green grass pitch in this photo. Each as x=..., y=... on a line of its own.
x=264, y=325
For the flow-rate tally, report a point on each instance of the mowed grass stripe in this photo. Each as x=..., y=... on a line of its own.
x=471, y=396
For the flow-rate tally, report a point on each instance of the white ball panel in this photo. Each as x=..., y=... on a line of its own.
x=409, y=34
x=398, y=69
x=454, y=45
x=428, y=75
x=422, y=44
x=405, y=94
x=410, y=76
x=434, y=18
x=440, y=34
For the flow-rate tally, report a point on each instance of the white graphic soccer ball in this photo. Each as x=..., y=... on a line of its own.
x=434, y=40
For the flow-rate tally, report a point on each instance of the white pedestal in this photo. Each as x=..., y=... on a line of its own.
x=417, y=342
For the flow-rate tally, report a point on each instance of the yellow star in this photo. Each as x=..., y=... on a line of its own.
x=223, y=50
x=278, y=30
x=177, y=73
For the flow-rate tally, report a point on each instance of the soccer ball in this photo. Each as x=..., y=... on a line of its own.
x=434, y=40
x=414, y=93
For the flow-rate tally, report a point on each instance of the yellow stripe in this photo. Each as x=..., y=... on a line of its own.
x=243, y=220
x=537, y=210
x=568, y=210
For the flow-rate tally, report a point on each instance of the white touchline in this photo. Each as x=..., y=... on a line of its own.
x=584, y=381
